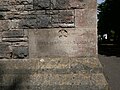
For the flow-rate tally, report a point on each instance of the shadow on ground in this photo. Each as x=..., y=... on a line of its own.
x=109, y=49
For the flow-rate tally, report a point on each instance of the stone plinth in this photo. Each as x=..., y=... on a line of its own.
x=52, y=73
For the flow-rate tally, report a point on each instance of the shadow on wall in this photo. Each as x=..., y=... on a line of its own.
x=12, y=79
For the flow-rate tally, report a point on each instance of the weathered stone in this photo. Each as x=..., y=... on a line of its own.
x=68, y=4
x=60, y=4
x=0, y=37
x=82, y=42
x=66, y=19
x=14, y=24
x=85, y=18
x=63, y=81
x=21, y=43
x=41, y=4
x=2, y=16
x=53, y=65
x=25, y=39
x=78, y=4
x=20, y=2
x=66, y=16
x=19, y=15
x=13, y=34
x=27, y=24
x=43, y=21
x=4, y=25
x=5, y=51
x=49, y=45
x=20, y=52
x=14, y=15
x=28, y=7
x=4, y=8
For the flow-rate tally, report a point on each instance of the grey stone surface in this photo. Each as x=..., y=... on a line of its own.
x=62, y=42
x=49, y=45
x=28, y=24
x=11, y=40
x=5, y=51
x=24, y=77
x=43, y=21
x=13, y=34
x=58, y=81
x=4, y=25
x=52, y=65
x=20, y=52
x=42, y=4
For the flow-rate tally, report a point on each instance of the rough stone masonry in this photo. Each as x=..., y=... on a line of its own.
x=49, y=45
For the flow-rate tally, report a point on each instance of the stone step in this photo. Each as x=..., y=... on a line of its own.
x=51, y=65
x=54, y=82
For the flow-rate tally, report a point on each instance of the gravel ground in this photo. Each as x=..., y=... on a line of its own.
x=111, y=65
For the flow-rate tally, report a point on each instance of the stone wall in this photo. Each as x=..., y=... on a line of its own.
x=49, y=45
x=18, y=17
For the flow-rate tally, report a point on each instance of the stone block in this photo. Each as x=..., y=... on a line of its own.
x=58, y=42
x=19, y=15
x=27, y=24
x=13, y=15
x=58, y=81
x=68, y=4
x=41, y=4
x=20, y=52
x=4, y=8
x=25, y=39
x=13, y=34
x=60, y=4
x=85, y=18
x=0, y=37
x=63, y=18
x=5, y=51
x=28, y=7
x=78, y=4
x=66, y=16
x=20, y=43
x=53, y=65
x=4, y=25
x=3, y=2
x=20, y=2
x=83, y=4
x=14, y=24
x=15, y=2
x=43, y=21
x=2, y=16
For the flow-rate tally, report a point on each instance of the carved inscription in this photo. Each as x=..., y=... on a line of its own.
x=61, y=43
x=63, y=33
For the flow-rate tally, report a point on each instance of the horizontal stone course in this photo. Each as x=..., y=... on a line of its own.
x=31, y=5
x=13, y=34
x=55, y=18
x=50, y=65
x=15, y=2
x=80, y=81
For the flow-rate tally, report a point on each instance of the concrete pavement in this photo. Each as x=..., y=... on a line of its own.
x=111, y=66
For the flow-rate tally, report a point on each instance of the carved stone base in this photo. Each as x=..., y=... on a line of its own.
x=52, y=74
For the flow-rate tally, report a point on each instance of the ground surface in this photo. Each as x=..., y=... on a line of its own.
x=109, y=58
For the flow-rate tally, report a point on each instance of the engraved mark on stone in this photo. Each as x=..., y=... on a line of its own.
x=63, y=33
